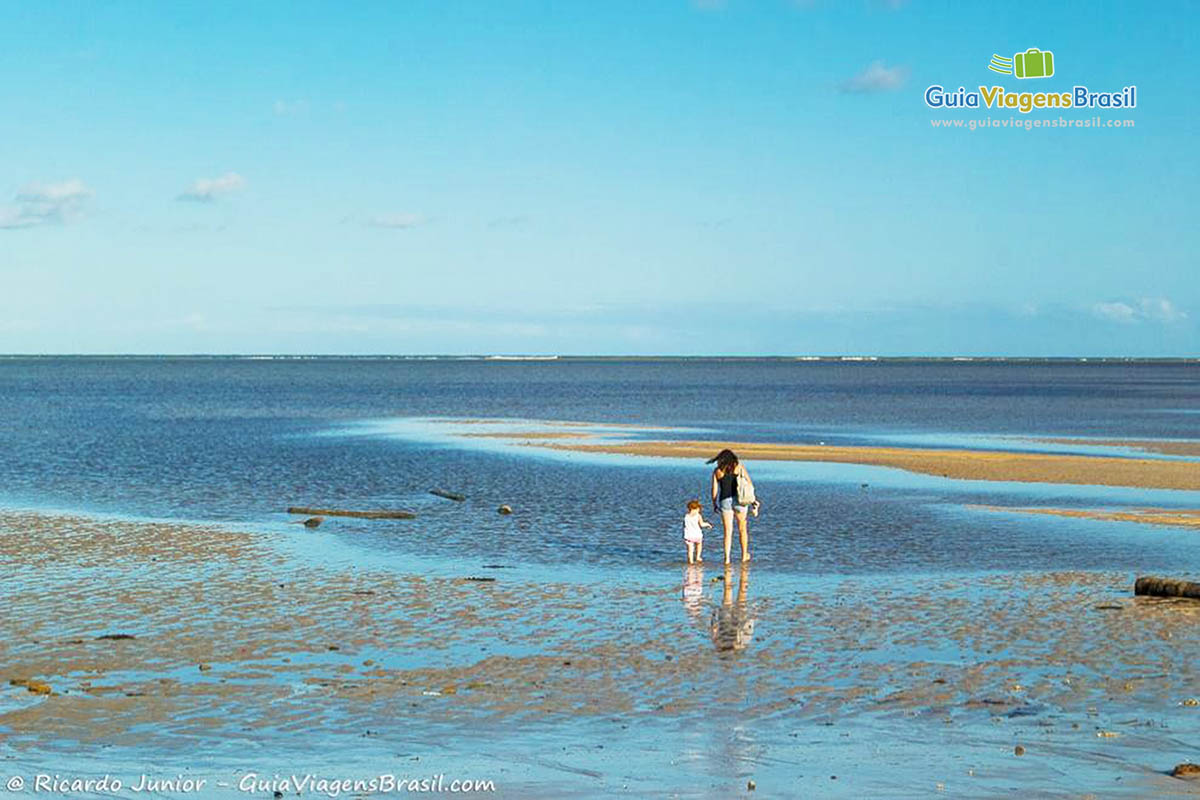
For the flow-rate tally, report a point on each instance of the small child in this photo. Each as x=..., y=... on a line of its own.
x=693, y=532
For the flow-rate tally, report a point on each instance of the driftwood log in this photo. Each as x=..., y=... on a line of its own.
x=455, y=496
x=337, y=512
x=1166, y=587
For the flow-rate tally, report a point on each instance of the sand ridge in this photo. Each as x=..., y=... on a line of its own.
x=1165, y=447
x=1176, y=517
x=982, y=465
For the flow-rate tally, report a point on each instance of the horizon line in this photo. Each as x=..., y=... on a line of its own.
x=848, y=357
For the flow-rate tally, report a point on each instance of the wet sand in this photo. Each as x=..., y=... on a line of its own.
x=1163, y=447
x=235, y=643
x=530, y=435
x=1183, y=518
x=980, y=465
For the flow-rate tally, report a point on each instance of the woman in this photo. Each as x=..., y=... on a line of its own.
x=732, y=495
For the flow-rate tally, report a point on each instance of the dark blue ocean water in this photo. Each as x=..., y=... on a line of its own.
x=240, y=440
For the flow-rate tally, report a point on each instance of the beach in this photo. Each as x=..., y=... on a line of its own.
x=696, y=400
x=909, y=625
x=233, y=641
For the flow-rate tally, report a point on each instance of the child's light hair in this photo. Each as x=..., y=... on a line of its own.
x=693, y=505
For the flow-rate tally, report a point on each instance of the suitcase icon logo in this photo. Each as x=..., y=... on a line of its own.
x=1033, y=63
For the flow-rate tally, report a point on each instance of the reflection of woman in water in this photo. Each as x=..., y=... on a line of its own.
x=732, y=626
x=732, y=496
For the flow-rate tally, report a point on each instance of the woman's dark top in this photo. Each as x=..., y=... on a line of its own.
x=728, y=486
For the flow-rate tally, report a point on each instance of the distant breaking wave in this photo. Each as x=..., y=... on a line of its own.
x=521, y=358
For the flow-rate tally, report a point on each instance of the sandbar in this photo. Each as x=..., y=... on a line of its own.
x=980, y=465
x=1176, y=517
x=1164, y=447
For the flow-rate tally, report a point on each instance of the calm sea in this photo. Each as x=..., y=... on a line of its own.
x=235, y=439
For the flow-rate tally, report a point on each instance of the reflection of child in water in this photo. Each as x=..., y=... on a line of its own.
x=693, y=591
x=693, y=532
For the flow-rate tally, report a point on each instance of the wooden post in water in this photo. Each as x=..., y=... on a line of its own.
x=337, y=512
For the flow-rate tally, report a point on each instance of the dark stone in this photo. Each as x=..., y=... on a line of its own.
x=1166, y=587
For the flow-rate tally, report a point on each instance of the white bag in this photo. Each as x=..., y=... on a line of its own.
x=745, y=487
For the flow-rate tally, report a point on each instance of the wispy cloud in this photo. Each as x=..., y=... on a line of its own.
x=206, y=190
x=396, y=220
x=876, y=78
x=45, y=203
x=285, y=108
x=513, y=221
x=1148, y=309
x=889, y=5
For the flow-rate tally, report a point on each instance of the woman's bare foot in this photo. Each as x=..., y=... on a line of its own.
x=745, y=557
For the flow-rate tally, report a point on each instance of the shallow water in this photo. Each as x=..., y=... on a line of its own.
x=869, y=585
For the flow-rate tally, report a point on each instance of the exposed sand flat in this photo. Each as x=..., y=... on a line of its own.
x=1166, y=448
x=530, y=435
x=1184, y=518
x=980, y=465
x=557, y=423
x=231, y=640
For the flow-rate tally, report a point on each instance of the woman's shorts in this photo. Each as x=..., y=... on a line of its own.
x=727, y=504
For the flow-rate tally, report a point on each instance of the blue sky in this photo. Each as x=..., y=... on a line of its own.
x=660, y=176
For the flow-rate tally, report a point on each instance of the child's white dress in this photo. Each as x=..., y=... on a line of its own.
x=691, y=528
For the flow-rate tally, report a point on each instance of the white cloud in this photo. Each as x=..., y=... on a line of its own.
x=285, y=108
x=512, y=221
x=12, y=217
x=206, y=190
x=70, y=191
x=1160, y=309
x=877, y=78
x=1117, y=312
x=1153, y=309
x=45, y=203
x=395, y=220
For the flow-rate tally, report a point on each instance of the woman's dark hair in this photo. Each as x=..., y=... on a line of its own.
x=725, y=460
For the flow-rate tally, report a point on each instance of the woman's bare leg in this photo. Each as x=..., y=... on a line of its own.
x=743, y=535
x=727, y=523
